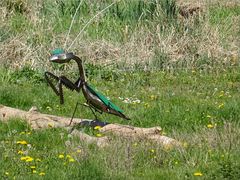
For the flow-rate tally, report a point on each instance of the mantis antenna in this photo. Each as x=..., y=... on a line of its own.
x=89, y=23
x=70, y=28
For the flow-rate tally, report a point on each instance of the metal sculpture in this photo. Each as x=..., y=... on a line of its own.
x=96, y=101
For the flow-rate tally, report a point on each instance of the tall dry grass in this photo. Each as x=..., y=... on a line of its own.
x=30, y=29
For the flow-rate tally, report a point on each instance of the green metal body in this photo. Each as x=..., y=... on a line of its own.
x=95, y=99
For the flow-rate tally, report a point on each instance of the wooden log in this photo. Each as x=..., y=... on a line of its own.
x=35, y=119
x=38, y=121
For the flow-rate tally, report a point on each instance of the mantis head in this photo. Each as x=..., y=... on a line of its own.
x=59, y=56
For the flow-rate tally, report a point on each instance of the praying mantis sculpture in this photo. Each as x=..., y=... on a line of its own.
x=96, y=101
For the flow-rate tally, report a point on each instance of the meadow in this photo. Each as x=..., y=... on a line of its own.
x=163, y=65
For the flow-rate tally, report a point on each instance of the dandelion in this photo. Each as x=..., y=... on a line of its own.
x=34, y=171
x=42, y=174
x=50, y=125
x=29, y=159
x=197, y=174
x=21, y=133
x=22, y=142
x=33, y=167
x=221, y=105
x=153, y=97
x=97, y=127
x=210, y=126
x=152, y=151
x=61, y=156
x=79, y=151
x=209, y=116
x=26, y=158
x=146, y=105
x=28, y=133
x=20, y=152
x=71, y=160
x=176, y=163
x=6, y=173
x=99, y=135
x=221, y=94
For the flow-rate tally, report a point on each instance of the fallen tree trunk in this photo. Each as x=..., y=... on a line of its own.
x=38, y=121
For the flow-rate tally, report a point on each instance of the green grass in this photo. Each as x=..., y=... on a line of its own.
x=180, y=74
x=183, y=103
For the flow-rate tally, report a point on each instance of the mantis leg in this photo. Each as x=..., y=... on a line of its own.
x=62, y=80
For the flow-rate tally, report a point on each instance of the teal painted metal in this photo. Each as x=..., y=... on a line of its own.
x=57, y=51
x=104, y=99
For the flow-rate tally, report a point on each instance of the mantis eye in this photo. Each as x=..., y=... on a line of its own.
x=59, y=56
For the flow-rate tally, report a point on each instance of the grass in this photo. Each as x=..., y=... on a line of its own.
x=203, y=104
x=161, y=68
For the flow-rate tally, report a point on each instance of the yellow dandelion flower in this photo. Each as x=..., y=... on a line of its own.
x=97, y=127
x=99, y=135
x=34, y=171
x=26, y=158
x=146, y=105
x=79, y=151
x=68, y=156
x=176, y=163
x=221, y=105
x=185, y=144
x=71, y=160
x=20, y=152
x=153, y=97
x=6, y=173
x=22, y=142
x=197, y=174
x=210, y=126
x=33, y=167
x=152, y=151
x=28, y=133
x=50, y=125
x=209, y=116
x=21, y=133
x=42, y=174
x=60, y=156
x=29, y=159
